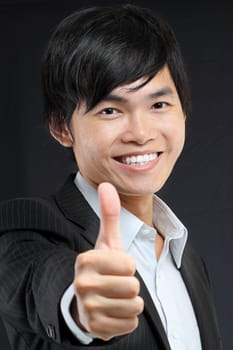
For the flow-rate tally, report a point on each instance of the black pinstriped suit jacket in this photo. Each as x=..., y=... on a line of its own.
x=39, y=240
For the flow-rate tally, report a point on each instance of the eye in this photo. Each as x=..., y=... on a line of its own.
x=160, y=105
x=109, y=111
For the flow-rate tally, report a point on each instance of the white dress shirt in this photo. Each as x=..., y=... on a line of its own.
x=162, y=278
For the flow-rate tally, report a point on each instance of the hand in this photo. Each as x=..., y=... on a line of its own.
x=107, y=301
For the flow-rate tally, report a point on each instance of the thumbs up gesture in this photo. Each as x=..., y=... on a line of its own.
x=107, y=302
x=109, y=235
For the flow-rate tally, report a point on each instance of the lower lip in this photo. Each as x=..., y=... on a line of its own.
x=140, y=168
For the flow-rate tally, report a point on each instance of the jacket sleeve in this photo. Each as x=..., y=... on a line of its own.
x=36, y=266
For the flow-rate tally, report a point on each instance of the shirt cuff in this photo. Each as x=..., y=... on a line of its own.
x=84, y=337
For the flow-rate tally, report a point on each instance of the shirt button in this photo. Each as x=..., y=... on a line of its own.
x=145, y=232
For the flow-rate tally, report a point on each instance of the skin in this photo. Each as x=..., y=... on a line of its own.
x=129, y=122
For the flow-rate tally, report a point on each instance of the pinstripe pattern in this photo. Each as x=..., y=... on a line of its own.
x=39, y=240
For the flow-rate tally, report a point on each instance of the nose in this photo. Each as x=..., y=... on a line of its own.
x=139, y=130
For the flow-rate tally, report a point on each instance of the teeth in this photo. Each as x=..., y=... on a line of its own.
x=140, y=159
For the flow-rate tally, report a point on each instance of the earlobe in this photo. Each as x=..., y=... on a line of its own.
x=63, y=136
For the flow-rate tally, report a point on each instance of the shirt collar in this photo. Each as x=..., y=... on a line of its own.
x=169, y=226
x=164, y=220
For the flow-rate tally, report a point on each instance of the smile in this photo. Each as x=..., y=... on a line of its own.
x=139, y=160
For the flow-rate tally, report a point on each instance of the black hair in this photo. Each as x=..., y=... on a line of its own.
x=97, y=49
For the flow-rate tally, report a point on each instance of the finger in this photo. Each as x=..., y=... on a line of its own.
x=105, y=263
x=108, y=286
x=121, y=287
x=123, y=308
x=116, y=308
x=106, y=327
x=109, y=235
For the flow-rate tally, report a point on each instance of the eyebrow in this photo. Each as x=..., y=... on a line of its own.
x=164, y=91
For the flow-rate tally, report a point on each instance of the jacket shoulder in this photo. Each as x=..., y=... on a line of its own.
x=29, y=213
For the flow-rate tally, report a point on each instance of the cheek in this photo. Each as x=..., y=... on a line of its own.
x=176, y=136
x=90, y=148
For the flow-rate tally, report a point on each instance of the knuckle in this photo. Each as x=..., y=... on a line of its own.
x=106, y=337
x=128, y=264
x=85, y=284
x=130, y=325
x=134, y=286
x=131, y=266
x=79, y=285
x=83, y=260
x=139, y=305
x=133, y=324
x=90, y=306
x=97, y=327
x=93, y=326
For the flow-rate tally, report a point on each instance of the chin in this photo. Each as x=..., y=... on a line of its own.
x=139, y=191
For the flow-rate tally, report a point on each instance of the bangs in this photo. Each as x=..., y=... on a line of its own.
x=111, y=58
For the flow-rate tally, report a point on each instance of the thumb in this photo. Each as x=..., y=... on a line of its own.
x=109, y=234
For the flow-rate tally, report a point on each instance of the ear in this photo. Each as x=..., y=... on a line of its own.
x=62, y=135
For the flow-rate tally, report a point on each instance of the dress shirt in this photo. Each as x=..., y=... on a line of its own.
x=162, y=278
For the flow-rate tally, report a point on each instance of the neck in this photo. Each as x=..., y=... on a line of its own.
x=142, y=207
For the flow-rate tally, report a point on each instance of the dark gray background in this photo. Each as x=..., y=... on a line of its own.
x=200, y=189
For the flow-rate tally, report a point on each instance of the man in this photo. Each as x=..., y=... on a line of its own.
x=104, y=263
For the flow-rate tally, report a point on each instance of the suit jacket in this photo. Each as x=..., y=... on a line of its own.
x=39, y=241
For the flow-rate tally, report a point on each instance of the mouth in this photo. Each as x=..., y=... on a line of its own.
x=138, y=160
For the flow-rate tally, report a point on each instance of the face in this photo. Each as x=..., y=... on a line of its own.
x=132, y=138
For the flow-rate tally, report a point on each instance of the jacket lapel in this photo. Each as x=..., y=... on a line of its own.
x=76, y=209
x=197, y=284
